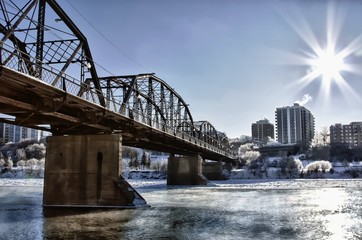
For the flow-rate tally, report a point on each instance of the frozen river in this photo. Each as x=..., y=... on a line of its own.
x=309, y=209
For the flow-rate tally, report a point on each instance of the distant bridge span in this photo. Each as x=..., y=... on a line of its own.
x=40, y=48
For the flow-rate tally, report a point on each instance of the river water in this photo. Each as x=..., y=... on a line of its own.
x=218, y=211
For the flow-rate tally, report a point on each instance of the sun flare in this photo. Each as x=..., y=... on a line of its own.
x=325, y=58
x=328, y=64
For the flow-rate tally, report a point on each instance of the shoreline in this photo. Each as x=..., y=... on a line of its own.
x=291, y=183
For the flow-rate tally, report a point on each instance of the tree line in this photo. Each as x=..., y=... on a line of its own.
x=131, y=157
x=32, y=151
x=26, y=150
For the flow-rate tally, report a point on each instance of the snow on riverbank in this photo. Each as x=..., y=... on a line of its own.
x=260, y=183
x=289, y=183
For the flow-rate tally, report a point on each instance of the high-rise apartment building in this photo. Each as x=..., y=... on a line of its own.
x=350, y=134
x=294, y=124
x=261, y=130
x=14, y=133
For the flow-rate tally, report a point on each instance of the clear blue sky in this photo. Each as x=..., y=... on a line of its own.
x=234, y=62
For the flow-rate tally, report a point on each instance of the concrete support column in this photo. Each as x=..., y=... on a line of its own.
x=85, y=171
x=185, y=170
x=212, y=170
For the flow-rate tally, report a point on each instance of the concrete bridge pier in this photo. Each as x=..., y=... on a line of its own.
x=213, y=170
x=185, y=170
x=85, y=171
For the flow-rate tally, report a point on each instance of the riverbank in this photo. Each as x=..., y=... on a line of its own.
x=290, y=183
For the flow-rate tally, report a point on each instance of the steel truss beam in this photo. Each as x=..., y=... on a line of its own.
x=58, y=42
x=51, y=50
x=151, y=100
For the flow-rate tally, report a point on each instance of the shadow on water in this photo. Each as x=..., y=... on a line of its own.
x=179, y=213
x=56, y=212
x=63, y=223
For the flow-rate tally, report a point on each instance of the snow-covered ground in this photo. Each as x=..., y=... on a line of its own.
x=262, y=183
x=238, y=178
x=289, y=183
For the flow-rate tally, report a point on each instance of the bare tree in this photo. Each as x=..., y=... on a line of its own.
x=325, y=135
x=321, y=138
x=144, y=159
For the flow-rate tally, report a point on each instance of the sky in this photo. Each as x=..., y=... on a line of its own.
x=234, y=62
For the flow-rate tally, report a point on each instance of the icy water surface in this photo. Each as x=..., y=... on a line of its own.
x=213, y=212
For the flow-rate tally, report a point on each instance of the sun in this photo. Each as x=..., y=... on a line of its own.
x=327, y=59
x=328, y=64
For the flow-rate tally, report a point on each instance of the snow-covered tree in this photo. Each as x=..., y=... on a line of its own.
x=321, y=138
x=41, y=162
x=271, y=142
x=290, y=165
x=251, y=156
x=159, y=166
x=35, y=150
x=32, y=163
x=20, y=154
x=318, y=166
x=134, y=162
x=247, y=153
x=8, y=163
x=156, y=166
x=2, y=162
x=244, y=148
x=21, y=163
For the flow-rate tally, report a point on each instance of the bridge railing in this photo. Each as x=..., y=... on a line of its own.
x=15, y=60
x=131, y=113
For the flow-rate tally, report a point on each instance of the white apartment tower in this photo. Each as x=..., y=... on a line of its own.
x=294, y=124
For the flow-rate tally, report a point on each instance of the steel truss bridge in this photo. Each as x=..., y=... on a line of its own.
x=41, y=48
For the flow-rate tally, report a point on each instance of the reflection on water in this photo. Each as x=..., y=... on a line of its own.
x=192, y=213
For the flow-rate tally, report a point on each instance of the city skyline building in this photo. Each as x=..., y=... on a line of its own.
x=261, y=130
x=350, y=134
x=14, y=133
x=294, y=124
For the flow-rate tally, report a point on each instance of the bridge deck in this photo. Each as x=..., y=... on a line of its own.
x=35, y=103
